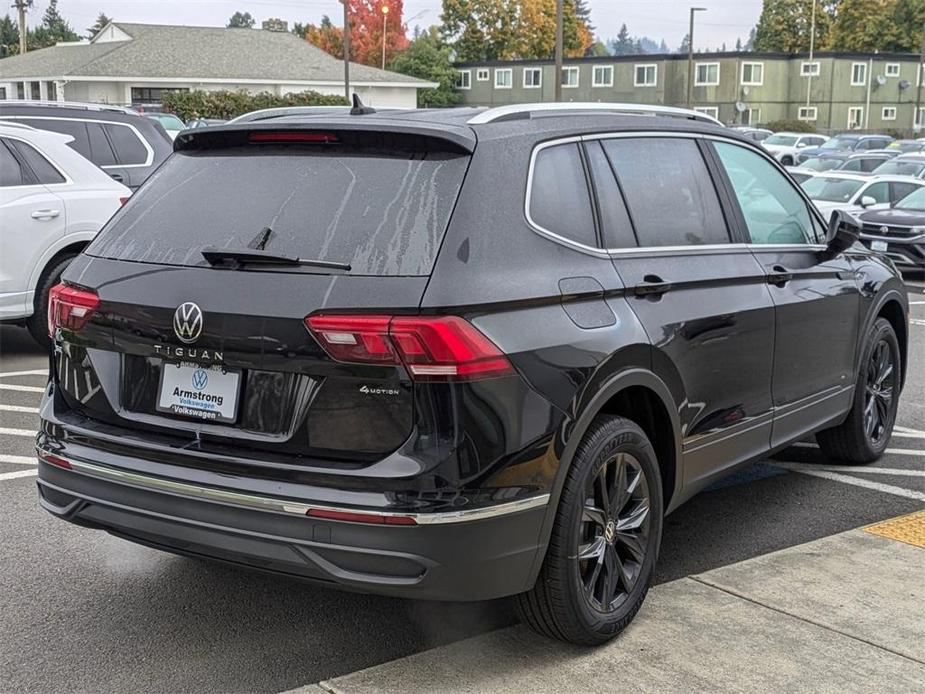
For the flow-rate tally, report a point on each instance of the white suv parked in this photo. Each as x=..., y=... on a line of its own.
x=52, y=204
x=784, y=146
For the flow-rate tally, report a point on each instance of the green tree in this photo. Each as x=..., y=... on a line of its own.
x=101, y=21
x=598, y=48
x=878, y=25
x=784, y=25
x=428, y=57
x=623, y=44
x=54, y=28
x=909, y=19
x=9, y=37
x=241, y=20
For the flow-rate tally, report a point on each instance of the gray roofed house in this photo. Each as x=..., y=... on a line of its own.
x=134, y=63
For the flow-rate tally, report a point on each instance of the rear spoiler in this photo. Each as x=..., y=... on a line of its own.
x=348, y=130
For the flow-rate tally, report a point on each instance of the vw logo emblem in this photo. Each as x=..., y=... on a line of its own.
x=187, y=322
x=200, y=379
x=884, y=230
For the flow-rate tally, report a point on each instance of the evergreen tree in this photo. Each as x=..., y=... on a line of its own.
x=241, y=20
x=430, y=58
x=623, y=44
x=101, y=21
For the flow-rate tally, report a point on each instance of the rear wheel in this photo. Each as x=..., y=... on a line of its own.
x=37, y=323
x=787, y=161
x=865, y=433
x=605, y=539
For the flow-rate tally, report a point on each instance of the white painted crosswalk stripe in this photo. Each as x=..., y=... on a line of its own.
x=17, y=473
x=866, y=484
x=4, y=431
x=21, y=389
x=891, y=451
x=858, y=469
x=18, y=459
x=18, y=408
x=33, y=372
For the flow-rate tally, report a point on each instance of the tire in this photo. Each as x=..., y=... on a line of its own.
x=560, y=605
x=787, y=161
x=37, y=323
x=865, y=433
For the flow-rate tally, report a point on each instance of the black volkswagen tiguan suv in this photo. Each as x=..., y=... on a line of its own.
x=458, y=354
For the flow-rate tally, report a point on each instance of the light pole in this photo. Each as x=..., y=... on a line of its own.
x=917, y=119
x=690, y=55
x=559, y=50
x=812, y=46
x=385, y=24
x=346, y=50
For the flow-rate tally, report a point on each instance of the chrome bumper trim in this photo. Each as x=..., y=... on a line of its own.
x=277, y=505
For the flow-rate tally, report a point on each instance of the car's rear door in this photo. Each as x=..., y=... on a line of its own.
x=816, y=297
x=699, y=294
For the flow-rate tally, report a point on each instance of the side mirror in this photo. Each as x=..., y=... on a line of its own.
x=843, y=232
x=801, y=145
x=867, y=201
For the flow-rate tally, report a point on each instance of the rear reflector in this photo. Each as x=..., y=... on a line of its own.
x=262, y=137
x=70, y=308
x=123, y=200
x=439, y=348
x=352, y=517
x=55, y=460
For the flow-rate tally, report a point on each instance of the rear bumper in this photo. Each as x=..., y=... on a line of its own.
x=467, y=555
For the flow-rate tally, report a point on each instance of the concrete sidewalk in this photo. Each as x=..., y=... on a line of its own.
x=842, y=614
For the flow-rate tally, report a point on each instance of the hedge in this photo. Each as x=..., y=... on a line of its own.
x=228, y=104
x=791, y=126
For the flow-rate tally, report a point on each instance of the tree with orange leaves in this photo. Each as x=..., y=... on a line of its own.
x=367, y=20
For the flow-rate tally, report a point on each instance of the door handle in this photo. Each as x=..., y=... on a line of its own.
x=117, y=177
x=652, y=285
x=779, y=275
x=45, y=214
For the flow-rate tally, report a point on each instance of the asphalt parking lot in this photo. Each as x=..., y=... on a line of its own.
x=82, y=611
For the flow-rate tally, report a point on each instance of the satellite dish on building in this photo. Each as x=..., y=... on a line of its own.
x=903, y=85
x=745, y=91
x=881, y=80
x=740, y=107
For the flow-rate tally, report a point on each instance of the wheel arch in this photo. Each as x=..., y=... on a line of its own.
x=641, y=396
x=72, y=244
x=891, y=308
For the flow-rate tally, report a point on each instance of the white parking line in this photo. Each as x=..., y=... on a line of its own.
x=862, y=469
x=18, y=459
x=18, y=473
x=893, y=451
x=34, y=372
x=21, y=389
x=908, y=435
x=916, y=321
x=867, y=484
x=31, y=410
x=17, y=432
x=897, y=427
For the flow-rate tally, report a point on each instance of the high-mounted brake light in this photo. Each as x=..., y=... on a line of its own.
x=263, y=137
x=432, y=348
x=70, y=308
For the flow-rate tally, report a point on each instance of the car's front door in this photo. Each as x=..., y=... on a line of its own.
x=701, y=298
x=816, y=297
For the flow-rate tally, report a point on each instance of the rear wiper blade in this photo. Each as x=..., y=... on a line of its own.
x=249, y=256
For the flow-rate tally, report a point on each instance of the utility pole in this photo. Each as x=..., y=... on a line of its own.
x=346, y=50
x=690, y=55
x=916, y=117
x=21, y=7
x=559, y=41
x=812, y=46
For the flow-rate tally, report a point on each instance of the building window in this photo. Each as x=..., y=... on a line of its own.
x=2, y=93
x=482, y=75
x=888, y=113
x=504, y=78
x=751, y=116
x=858, y=74
x=807, y=113
x=855, y=117
x=464, y=79
x=20, y=90
x=708, y=110
x=602, y=76
x=891, y=70
x=808, y=69
x=920, y=118
x=570, y=77
x=533, y=78
x=706, y=74
x=753, y=74
x=152, y=95
x=645, y=75
x=36, y=89
x=52, y=91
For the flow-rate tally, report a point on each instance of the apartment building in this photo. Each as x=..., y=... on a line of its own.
x=833, y=91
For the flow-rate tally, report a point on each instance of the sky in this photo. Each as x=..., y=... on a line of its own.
x=724, y=20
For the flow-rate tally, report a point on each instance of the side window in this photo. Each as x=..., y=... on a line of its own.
x=129, y=149
x=99, y=145
x=559, y=198
x=44, y=170
x=851, y=165
x=616, y=225
x=11, y=173
x=74, y=128
x=901, y=190
x=669, y=191
x=878, y=191
x=774, y=212
x=868, y=165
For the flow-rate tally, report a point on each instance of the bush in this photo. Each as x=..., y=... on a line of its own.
x=791, y=126
x=228, y=104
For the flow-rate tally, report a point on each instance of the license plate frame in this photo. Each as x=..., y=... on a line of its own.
x=879, y=246
x=219, y=382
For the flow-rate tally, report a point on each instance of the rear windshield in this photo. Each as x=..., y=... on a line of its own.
x=383, y=212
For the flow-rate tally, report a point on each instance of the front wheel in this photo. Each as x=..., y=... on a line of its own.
x=787, y=161
x=605, y=539
x=865, y=433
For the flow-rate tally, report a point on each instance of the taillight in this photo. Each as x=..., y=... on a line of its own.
x=124, y=200
x=274, y=137
x=55, y=460
x=440, y=348
x=70, y=307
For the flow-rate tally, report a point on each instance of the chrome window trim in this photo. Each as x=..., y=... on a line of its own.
x=150, y=152
x=278, y=505
x=706, y=249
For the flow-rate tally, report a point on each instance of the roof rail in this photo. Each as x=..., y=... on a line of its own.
x=15, y=124
x=516, y=111
x=71, y=104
